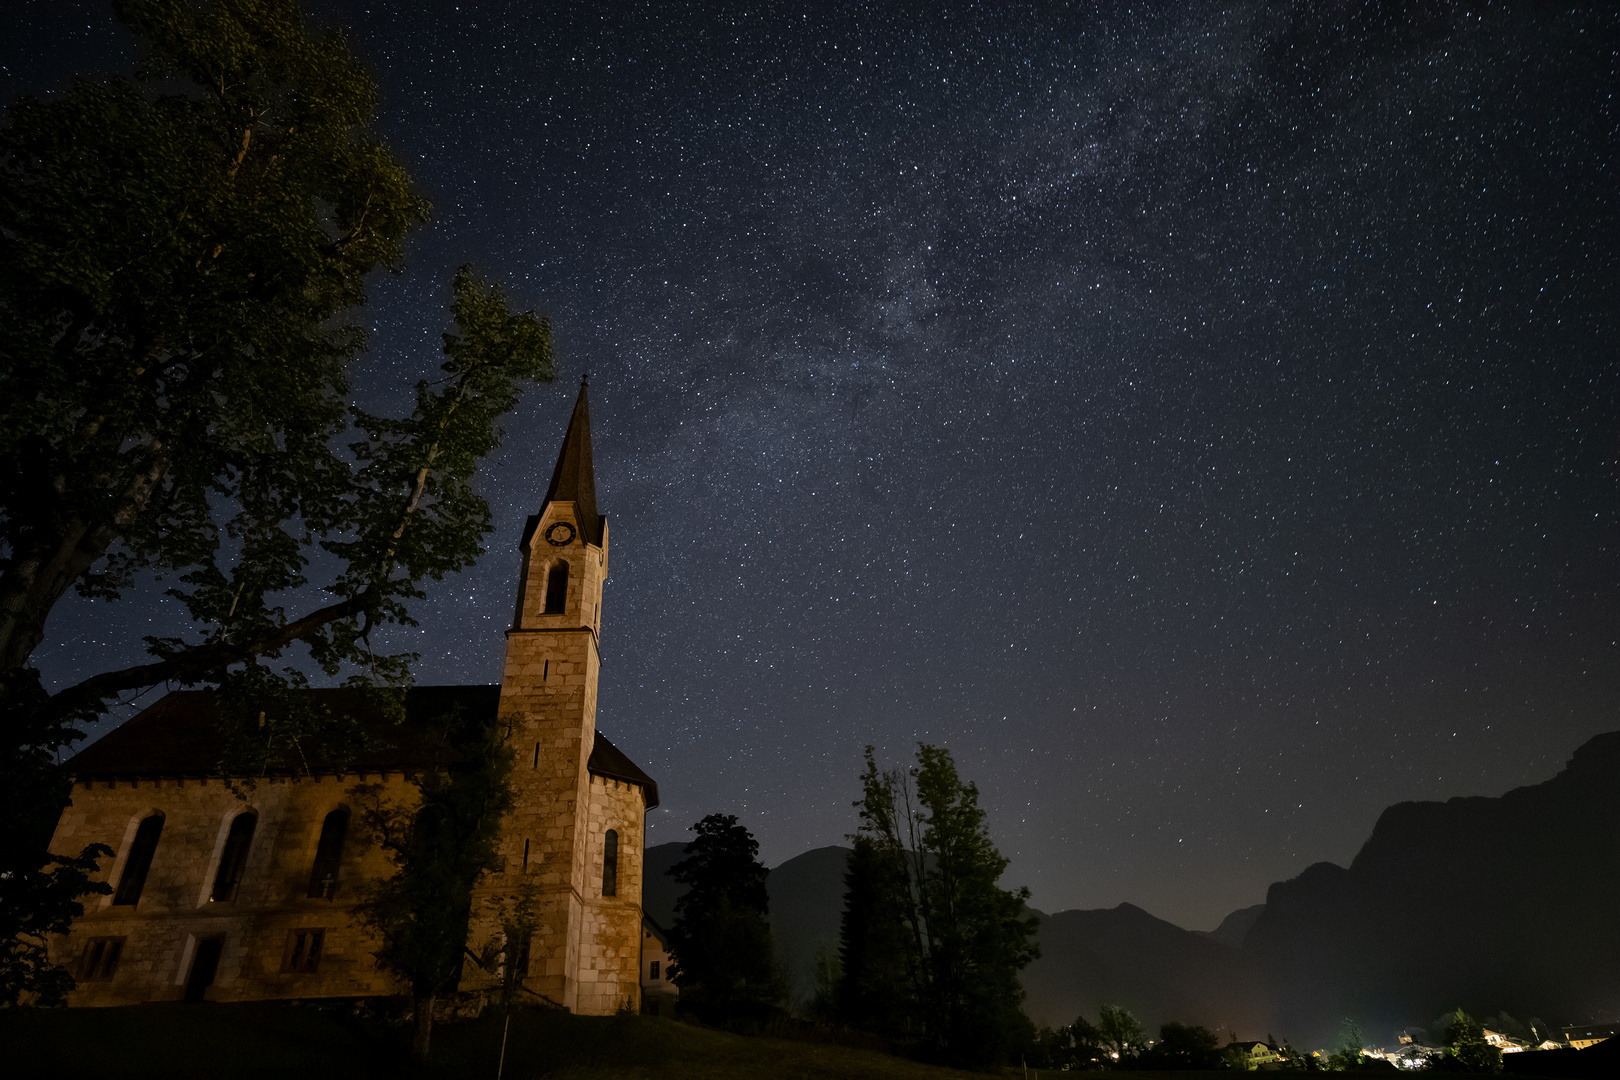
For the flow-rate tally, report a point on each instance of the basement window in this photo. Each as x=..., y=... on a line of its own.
x=100, y=961
x=303, y=954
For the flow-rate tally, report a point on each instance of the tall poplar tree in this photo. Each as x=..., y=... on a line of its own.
x=927, y=927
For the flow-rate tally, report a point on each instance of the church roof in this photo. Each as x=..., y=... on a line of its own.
x=574, y=478
x=180, y=736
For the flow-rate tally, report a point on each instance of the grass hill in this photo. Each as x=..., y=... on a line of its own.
x=314, y=1043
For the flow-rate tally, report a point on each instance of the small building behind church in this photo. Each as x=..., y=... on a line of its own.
x=658, y=991
x=237, y=892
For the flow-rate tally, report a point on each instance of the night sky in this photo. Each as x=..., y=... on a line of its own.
x=1199, y=417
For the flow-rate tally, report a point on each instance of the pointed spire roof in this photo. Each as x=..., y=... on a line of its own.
x=574, y=479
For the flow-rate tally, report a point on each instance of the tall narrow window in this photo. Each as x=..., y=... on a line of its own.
x=536, y=755
x=557, y=589
x=234, y=857
x=610, y=863
x=139, y=861
x=328, y=855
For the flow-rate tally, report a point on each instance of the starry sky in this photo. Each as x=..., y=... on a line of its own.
x=1199, y=417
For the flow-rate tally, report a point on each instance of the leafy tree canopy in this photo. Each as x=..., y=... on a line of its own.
x=177, y=260
x=1120, y=1031
x=181, y=255
x=440, y=846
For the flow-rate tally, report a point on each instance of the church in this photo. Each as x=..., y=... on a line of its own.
x=232, y=892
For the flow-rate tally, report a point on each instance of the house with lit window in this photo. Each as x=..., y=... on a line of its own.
x=1507, y=1044
x=1257, y=1055
x=1586, y=1036
x=228, y=890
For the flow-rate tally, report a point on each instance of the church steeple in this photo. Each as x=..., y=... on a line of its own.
x=574, y=478
x=575, y=832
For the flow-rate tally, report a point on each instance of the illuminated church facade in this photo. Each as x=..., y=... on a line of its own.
x=224, y=897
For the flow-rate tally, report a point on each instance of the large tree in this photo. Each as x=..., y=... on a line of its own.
x=925, y=865
x=440, y=844
x=181, y=256
x=720, y=946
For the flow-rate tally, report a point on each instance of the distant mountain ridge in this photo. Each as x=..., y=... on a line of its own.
x=1236, y=926
x=1495, y=904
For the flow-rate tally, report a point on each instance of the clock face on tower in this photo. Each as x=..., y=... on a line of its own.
x=559, y=534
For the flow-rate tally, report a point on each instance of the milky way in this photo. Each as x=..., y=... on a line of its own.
x=1201, y=418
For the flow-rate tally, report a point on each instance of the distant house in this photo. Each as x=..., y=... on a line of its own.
x=658, y=991
x=1505, y=1043
x=1590, y=1035
x=1257, y=1055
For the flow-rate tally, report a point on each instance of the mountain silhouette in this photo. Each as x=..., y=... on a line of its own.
x=1125, y=956
x=1492, y=904
x=1235, y=927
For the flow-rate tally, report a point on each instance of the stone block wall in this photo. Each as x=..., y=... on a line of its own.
x=175, y=910
x=610, y=939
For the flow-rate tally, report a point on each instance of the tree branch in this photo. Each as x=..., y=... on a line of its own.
x=199, y=661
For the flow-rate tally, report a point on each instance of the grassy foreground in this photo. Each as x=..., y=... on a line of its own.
x=306, y=1043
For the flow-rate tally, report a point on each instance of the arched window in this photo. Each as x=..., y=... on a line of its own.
x=557, y=589
x=139, y=862
x=610, y=864
x=234, y=858
x=328, y=855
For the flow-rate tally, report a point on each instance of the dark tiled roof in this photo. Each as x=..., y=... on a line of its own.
x=608, y=760
x=180, y=736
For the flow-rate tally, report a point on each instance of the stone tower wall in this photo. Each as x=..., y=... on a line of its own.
x=611, y=938
x=552, y=839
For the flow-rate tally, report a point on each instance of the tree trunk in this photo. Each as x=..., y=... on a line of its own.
x=39, y=576
x=423, y=1030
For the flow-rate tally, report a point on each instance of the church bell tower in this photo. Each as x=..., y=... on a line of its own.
x=549, y=842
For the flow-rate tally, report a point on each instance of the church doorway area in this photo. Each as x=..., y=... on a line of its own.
x=203, y=967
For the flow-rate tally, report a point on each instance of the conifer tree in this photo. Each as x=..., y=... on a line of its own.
x=721, y=955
